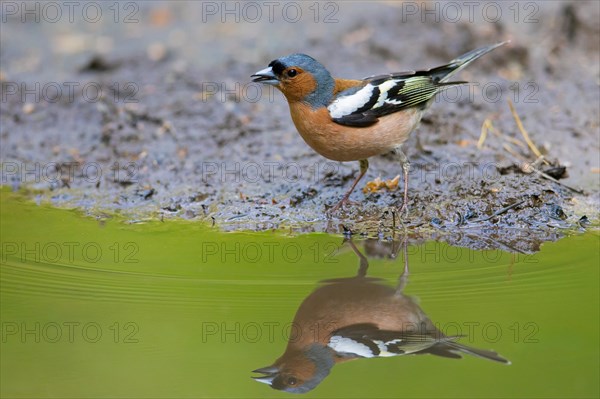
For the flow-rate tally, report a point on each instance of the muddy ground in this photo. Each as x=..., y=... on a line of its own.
x=146, y=110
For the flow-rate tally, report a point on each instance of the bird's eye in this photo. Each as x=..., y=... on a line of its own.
x=292, y=381
x=292, y=72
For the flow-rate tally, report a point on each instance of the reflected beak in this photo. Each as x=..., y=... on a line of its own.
x=270, y=374
x=265, y=380
x=265, y=76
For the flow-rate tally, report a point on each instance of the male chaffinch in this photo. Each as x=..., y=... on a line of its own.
x=353, y=318
x=353, y=120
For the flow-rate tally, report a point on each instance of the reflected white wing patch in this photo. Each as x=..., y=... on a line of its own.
x=348, y=345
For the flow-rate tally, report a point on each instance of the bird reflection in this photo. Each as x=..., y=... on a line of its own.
x=354, y=318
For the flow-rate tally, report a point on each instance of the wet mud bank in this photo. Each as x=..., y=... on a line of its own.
x=159, y=120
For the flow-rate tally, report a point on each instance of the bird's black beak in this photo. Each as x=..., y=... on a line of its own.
x=270, y=372
x=265, y=76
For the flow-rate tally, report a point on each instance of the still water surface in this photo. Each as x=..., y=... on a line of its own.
x=103, y=308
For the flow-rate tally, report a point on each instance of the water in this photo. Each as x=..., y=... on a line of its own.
x=102, y=308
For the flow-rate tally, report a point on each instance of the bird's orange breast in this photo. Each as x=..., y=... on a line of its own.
x=337, y=306
x=346, y=143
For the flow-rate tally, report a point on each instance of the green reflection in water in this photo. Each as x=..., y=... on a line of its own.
x=177, y=309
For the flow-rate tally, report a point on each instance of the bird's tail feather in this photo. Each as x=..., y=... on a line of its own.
x=444, y=72
x=483, y=353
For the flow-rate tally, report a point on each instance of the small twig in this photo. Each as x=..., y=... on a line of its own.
x=512, y=152
x=495, y=243
x=536, y=151
x=500, y=212
x=546, y=176
x=533, y=168
x=530, y=143
x=487, y=125
x=514, y=140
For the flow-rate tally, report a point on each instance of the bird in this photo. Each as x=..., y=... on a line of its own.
x=356, y=318
x=353, y=120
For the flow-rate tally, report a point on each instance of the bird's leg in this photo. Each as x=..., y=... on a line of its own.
x=364, y=261
x=403, y=280
x=405, y=168
x=364, y=165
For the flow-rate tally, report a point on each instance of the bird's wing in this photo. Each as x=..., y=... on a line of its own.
x=361, y=106
x=367, y=340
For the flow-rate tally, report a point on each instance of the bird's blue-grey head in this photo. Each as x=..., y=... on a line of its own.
x=285, y=71
x=290, y=378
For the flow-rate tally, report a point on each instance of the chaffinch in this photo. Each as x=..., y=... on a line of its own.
x=353, y=120
x=354, y=318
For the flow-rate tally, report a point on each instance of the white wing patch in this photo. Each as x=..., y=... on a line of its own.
x=348, y=104
x=383, y=347
x=348, y=345
x=384, y=88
